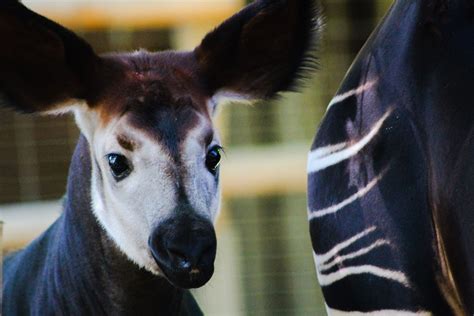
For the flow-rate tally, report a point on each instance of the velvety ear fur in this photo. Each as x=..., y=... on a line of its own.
x=262, y=50
x=42, y=64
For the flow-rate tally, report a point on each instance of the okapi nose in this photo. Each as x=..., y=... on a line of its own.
x=190, y=255
x=184, y=247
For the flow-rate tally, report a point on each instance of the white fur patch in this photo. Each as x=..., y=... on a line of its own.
x=320, y=259
x=347, y=271
x=201, y=187
x=312, y=214
x=229, y=96
x=330, y=278
x=331, y=258
x=87, y=121
x=341, y=258
x=129, y=210
x=66, y=107
x=354, y=92
x=322, y=158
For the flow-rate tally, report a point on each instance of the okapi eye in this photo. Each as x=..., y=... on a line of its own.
x=213, y=158
x=119, y=166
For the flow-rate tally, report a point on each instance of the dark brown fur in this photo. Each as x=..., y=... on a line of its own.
x=35, y=48
x=262, y=50
x=126, y=143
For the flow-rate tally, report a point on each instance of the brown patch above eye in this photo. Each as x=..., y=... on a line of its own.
x=126, y=143
x=209, y=136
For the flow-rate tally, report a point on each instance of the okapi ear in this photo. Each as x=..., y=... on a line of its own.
x=262, y=50
x=43, y=66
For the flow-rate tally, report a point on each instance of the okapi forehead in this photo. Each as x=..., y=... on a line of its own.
x=158, y=94
x=169, y=125
x=156, y=81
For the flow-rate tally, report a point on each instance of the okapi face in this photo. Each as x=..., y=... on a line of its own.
x=148, y=119
x=156, y=164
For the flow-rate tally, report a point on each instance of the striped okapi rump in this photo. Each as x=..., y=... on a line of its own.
x=390, y=173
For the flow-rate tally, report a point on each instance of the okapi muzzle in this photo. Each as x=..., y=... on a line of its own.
x=184, y=248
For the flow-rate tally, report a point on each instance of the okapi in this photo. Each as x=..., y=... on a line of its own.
x=391, y=170
x=143, y=190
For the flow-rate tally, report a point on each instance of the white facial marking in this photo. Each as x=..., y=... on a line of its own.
x=130, y=209
x=322, y=158
x=201, y=186
x=359, y=90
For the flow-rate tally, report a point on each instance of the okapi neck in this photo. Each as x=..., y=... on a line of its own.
x=93, y=275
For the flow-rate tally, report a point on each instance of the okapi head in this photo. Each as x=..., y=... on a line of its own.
x=148, y=118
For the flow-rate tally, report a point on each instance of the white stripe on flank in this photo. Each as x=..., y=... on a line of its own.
x=341, y=97
x=352, y=255
x=325, y=151
x=334, y=208
x=322, y=263
x=382, y=312
x=321, y=158
x=328, y=279
x=322, y=258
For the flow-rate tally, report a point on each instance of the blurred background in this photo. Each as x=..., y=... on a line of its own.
x=264, y=263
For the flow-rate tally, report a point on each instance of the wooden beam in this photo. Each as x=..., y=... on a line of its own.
x=133, y=14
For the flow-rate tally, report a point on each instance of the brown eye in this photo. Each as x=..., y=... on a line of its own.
x=213, y=159
x=119, y=166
